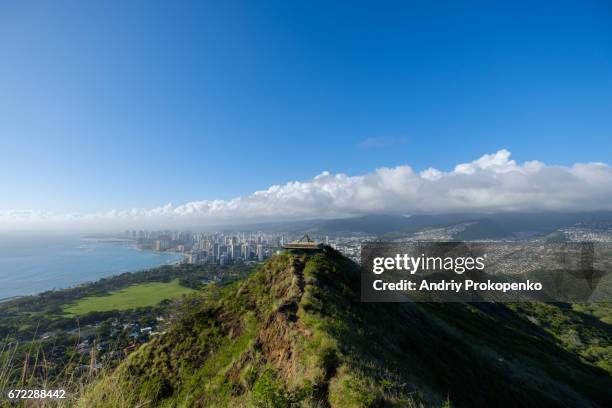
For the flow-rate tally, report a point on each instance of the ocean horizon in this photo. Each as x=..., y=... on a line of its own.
x=30, y=264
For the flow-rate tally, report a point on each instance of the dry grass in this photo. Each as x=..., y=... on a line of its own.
x=35, y=372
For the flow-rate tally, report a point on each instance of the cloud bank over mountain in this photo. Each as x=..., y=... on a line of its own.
x=492, y=183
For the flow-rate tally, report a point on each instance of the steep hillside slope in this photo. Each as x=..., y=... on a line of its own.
x=295, y=334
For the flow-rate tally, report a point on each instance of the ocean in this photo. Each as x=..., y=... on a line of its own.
x=31, y=264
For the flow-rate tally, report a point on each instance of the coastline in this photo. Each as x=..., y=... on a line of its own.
x=184, y=255
x=84, y=270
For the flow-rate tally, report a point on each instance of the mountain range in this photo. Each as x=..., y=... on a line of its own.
x=478, y=226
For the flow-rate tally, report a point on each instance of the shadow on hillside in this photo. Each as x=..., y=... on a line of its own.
x=479, y=354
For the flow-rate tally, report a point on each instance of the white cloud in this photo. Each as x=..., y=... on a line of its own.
x=491, y=183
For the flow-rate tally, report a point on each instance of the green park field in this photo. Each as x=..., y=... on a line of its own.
x=140, y=295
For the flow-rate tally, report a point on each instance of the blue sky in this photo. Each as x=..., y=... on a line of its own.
x=114, y=105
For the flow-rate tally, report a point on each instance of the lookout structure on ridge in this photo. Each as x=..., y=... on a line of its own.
x=304, y=244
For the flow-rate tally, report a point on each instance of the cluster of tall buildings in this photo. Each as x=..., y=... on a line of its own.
x=225, y=248
x=216, y=248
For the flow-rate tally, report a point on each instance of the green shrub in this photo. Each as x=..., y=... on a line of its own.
x=268, y=392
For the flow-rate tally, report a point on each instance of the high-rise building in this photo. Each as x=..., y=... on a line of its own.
x=235, y=252
x=246, y=252
x=223, y=259
x=162, y=244
x=222, y=249
x=260, y=252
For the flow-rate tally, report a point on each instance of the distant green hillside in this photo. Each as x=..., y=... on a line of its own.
x=295, y=334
